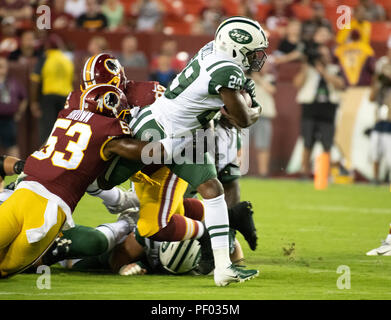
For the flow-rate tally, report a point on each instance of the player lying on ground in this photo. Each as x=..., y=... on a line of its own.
x=211, y=80
x=82, y=242
x=384, y=249
x=180, y=217
x=104, y=248
x=77, y=151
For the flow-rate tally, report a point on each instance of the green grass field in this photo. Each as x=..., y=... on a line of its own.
x=304, y=236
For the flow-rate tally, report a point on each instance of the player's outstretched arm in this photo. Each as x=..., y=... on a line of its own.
x=238, y=109
x=132, y=149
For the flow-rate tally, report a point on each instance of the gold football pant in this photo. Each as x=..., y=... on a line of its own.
x=24, y=210
x=159, y=202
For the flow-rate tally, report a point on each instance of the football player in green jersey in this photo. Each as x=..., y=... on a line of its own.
x=212, y=79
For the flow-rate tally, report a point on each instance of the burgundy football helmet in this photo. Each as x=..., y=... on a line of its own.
x=106, y=100
x=102, y=69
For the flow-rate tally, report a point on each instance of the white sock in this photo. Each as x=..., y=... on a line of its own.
x=115, y=233
x=201, y=229
x=110, y=197
x=217, y=224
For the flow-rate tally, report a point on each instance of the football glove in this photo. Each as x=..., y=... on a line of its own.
x=249, y=86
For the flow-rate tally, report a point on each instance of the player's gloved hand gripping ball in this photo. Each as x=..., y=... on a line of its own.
x=249, y=87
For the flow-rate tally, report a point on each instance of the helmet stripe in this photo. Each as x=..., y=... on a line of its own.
x=171, y=262
x=82, y=102
x=85, y=69
x=184, y=255
x=93, y=66
x=237, y=19
x=88, y=69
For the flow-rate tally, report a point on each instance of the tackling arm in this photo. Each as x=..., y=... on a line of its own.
x=132, y=149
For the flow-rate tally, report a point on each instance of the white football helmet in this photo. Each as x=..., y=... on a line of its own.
x=180, y=256
x=244, y=41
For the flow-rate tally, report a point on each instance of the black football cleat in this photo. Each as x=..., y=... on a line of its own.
x=206, y=264
x=57, y=252
x=241, y=219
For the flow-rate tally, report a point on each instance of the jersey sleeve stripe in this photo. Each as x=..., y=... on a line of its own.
x=217, y=63
x=223, y=65
x=102, y=155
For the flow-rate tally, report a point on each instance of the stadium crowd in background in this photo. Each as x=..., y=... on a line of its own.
x=302, y=28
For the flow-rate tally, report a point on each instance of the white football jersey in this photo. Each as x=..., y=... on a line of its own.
x=193, y=99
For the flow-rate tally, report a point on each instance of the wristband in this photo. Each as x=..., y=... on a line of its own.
x=19, y=166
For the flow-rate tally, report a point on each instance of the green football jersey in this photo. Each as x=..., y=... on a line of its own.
x=193, y=99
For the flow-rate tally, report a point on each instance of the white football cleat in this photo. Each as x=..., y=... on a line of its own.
x=224, y=277
x=131, y=216
x=383, y=250
x=127, y=200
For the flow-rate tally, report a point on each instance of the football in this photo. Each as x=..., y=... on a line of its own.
x=246, y=97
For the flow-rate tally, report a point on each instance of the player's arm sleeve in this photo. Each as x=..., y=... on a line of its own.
x=119, y=129
x=227, y=76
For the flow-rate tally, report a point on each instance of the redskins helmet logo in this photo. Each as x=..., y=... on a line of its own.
x=112, y=66
x=110, y=100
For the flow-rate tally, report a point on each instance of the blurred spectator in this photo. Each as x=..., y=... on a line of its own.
x=170, y=48
x=164, y=73
x=322, y=36
x=61, y=19
x=51, y=82
x=318, y=83
x=247, y=8
x=75, y=7
x=373, y=11
x=211, y=16
x=149, y=15
x=380, y=136
x=262, y=130
x=302, y=9
x=27, y=48
x=358, y=24
x=93, y=19
x=130, y=56
x=114, y=12
x=9, y=39
x=19, y=9
x=97, y=45
x=318, y=19
x=290, y=47
x=357, y=60
x=13, y=103
x=278, y=14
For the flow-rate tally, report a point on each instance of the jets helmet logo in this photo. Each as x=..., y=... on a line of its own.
x=240, y=36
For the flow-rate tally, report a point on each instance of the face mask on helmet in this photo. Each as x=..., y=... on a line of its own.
x=254, y=59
